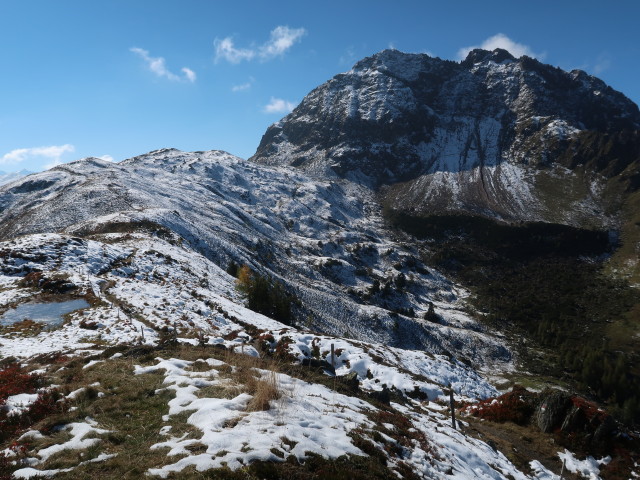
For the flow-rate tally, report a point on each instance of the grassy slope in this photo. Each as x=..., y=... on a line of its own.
x=133, y=407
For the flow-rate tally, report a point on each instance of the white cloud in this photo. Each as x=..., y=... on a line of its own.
x=281, y=39
x=189, y=74
x=226, y=50
x=158, y=66
x=53, y=152
x=501, y=41
x=243, y=86
x=278, y=105
x=106, y=158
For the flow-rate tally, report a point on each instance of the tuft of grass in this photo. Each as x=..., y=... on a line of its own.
x=264, y=390
x=246, y=377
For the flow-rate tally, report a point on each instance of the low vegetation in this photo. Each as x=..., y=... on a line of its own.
x=516, y=422
x=130, y=408
x=548, y=284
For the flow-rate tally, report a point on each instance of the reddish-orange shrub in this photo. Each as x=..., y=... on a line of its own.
x=516, y=406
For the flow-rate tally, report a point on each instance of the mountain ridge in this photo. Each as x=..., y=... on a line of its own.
x=324, y=240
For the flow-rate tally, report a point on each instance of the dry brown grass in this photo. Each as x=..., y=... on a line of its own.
x=264, y=390
x=133, y=407
x=25, y=328
x=256, y=377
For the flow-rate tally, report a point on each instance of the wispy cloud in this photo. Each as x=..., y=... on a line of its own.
x=278, y=105
x=158, y=66
x=242, y=87
x=189, y=74
x=106, y=158
x=52, y=153
x=502, y=41
x=349, y=56
x=603, y=62
x=281, y=39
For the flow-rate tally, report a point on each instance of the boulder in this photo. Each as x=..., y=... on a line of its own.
x=351, y=381
x=552, y=409
x=605, y=429
x=575, y=421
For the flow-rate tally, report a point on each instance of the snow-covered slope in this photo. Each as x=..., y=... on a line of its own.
x=148, y=273
x=324, y=240
x=139, y=287
x=493, y=136
x=143, y=289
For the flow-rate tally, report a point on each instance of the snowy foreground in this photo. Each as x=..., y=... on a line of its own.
x=142, y=289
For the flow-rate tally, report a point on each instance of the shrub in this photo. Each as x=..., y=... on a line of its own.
x=516, y=406
x=265, y=296
x=263, y=390
x=13, y=381
x=233, y=269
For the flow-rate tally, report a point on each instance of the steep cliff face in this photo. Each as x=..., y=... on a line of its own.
x=506, y=138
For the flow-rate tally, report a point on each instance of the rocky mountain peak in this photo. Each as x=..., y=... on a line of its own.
x=474, y=137
x=478, y=55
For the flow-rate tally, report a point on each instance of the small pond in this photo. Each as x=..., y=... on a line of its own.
x=48, y=313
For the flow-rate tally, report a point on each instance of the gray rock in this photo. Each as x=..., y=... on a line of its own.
x=605, y=429
x=351, y=381
x=575, y=421
x=552, y=409
x=318, y=364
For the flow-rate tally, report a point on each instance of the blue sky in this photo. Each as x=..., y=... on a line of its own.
x=118, y=78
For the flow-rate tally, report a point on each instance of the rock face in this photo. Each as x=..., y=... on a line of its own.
x=506, y=138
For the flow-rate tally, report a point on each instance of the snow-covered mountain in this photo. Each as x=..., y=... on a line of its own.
x=506, y=138
x=144, y=245
x=324, y=240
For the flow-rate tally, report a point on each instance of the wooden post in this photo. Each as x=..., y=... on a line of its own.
x=142, y=332
x=333, y=357
x=242, y=347
x=453, y=407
